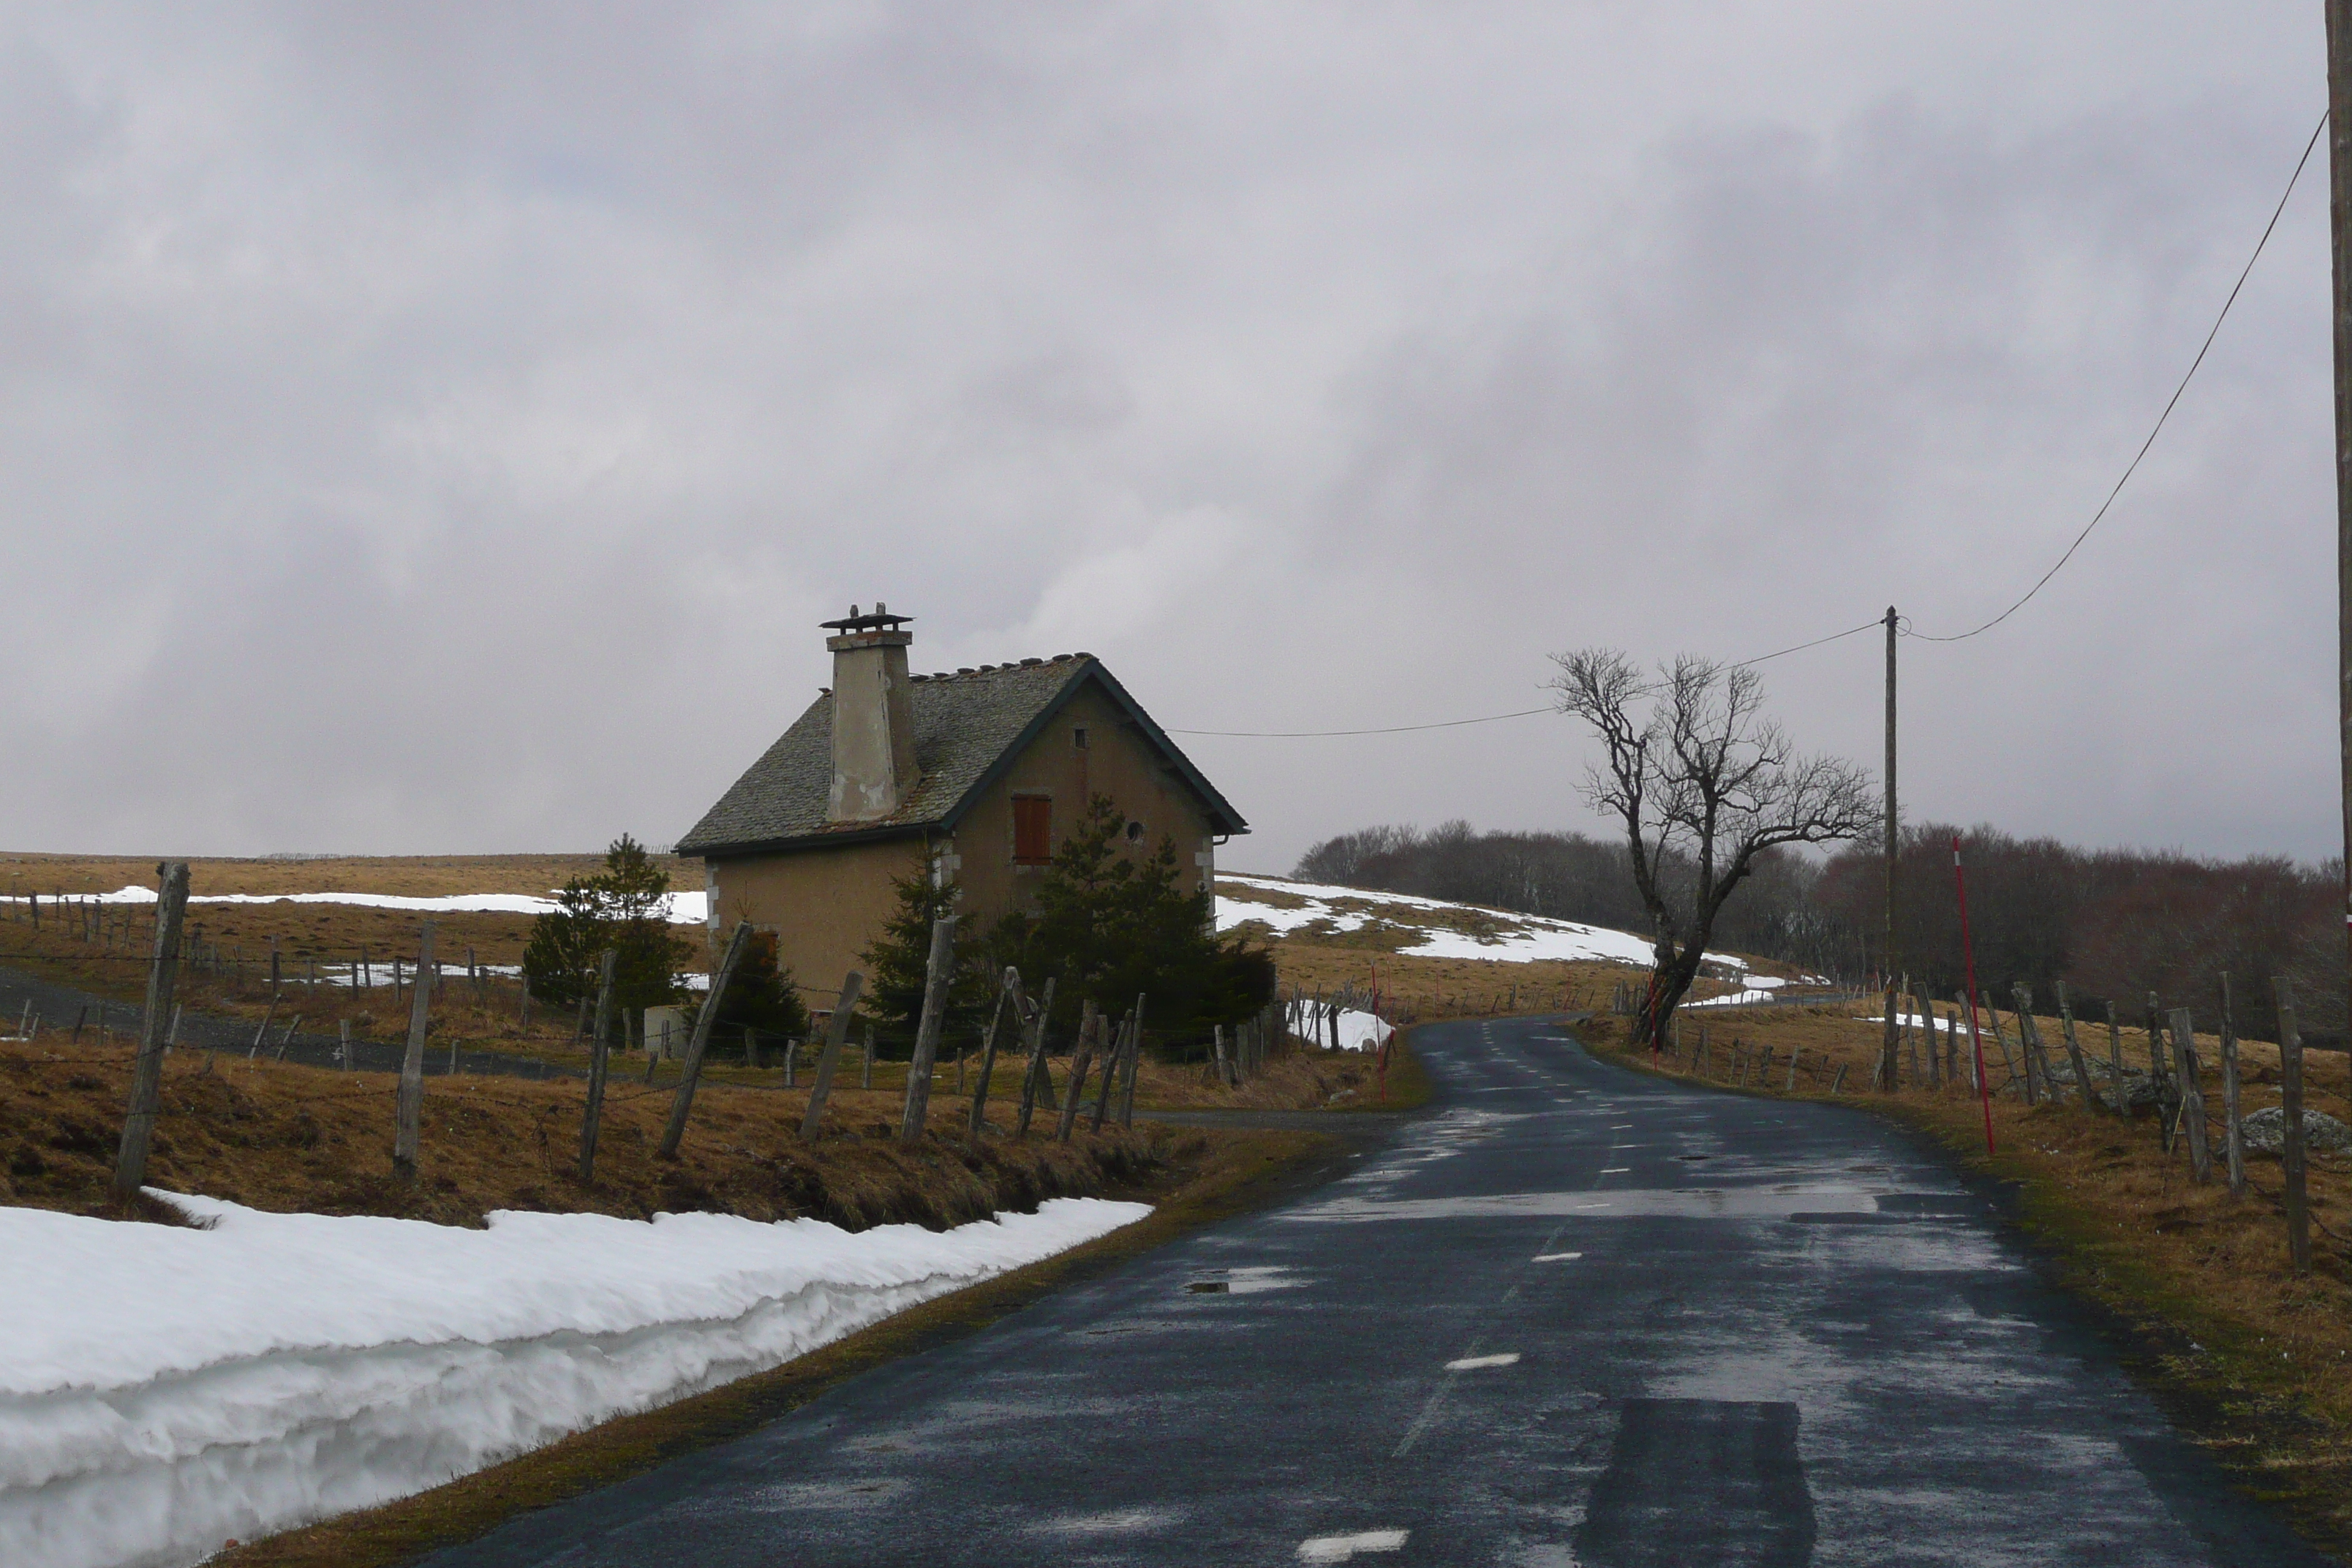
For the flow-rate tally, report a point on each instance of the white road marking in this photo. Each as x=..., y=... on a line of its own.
x=1557, y=1256
x=1615, y=1170
x=1472, y=1363
x=1339, y=1548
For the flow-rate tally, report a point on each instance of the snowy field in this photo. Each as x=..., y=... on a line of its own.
x=1521, y=939
x=683, y=909
x=163, y=1390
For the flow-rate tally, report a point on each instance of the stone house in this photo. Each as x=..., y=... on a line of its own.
x=972, y=777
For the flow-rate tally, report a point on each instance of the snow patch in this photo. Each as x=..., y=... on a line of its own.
x=681, y=908
x=1519, y=939
x=163, y=1390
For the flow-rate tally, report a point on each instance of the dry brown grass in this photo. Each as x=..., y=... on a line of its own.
x=2259, y=1359
x=287, y=1138
x=408, y=875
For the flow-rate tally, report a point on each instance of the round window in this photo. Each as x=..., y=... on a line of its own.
x=1134, y=831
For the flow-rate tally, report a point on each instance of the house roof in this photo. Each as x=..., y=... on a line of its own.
x=969, y=727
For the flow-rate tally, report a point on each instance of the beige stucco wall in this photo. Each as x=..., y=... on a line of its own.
x=1117, y=763
x=826, y=904
x=823, y=905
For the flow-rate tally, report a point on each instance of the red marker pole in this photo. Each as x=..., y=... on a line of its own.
x=1969, y=964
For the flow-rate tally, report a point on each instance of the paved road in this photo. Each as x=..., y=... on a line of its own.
x=1572, y=1316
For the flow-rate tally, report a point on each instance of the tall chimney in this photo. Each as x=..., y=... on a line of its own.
x=872, y=727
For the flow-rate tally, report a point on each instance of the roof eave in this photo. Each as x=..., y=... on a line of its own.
x=798, y=842
x=1223, y=818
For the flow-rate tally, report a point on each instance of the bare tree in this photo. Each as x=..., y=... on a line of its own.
x=1703, y=784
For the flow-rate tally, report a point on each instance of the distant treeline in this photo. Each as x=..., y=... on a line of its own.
x=2113, y=924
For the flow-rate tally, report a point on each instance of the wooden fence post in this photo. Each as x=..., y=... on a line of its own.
x=1009, y=993
x=938, y=973
x=865, y=1073
x=345, y=1053
x=1134, y=1066
x=600, y=1055
x=1081, y=1058
x=2029, y=1040
x=1224, y=1071
x=2233, y=1130
x=2298, y=1213
x=2115, y=1063
x=2001, y=1040
x=1035, y=1073
x=2074, y=1051
x=2192, y=1096
x=147, y=1068
x=828, y=1061
x=1109, y=1084
x=705, y=1016
x=411, y=1102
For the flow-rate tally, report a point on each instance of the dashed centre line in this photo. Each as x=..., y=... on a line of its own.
x=1556, y=1256
x=1474, y=1362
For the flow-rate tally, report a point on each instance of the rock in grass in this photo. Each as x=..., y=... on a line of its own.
x=2264, y=1130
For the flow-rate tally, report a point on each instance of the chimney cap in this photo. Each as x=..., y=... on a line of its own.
x=880, y=620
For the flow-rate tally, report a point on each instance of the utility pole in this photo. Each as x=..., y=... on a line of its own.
x=1886, y=1057
x=2339, y=216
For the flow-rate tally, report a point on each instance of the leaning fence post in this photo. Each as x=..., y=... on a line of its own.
x=411, y=1103
x=1134, y=1066
x=836, y=1033
x=1035, y=1073
x=2027, y=1040
x=2074, y=1051
x=937, y=975
x=1082, y=1056
x=1009, y=993
x=2298, y=1215
x=600, y=1052
x=705, y=1016
x=2192, y=1097
x=147, y=1068
x=1111, y=1058
x=2233, y=1130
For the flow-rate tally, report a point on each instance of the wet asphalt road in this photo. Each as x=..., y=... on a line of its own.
x=1571, y=1316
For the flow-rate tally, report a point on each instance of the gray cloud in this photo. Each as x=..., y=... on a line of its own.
x=441, y=427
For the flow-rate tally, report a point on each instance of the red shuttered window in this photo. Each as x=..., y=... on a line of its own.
x=1032, y=829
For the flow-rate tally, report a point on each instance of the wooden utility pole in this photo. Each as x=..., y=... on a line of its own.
x=2339, y=228
x=1888, y=1040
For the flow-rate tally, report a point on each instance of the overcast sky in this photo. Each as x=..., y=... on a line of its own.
x=440, y=427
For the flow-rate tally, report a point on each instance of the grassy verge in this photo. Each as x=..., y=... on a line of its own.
x=2250, y=1359
x=1205, y=1179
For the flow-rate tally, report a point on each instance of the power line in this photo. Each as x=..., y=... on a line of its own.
x=1904, y=626
x=1391, y=730
x=1850, y=631
x=2170, y=404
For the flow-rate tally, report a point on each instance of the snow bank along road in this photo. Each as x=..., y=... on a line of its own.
x=1574, y=1316
x=164, y=1390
